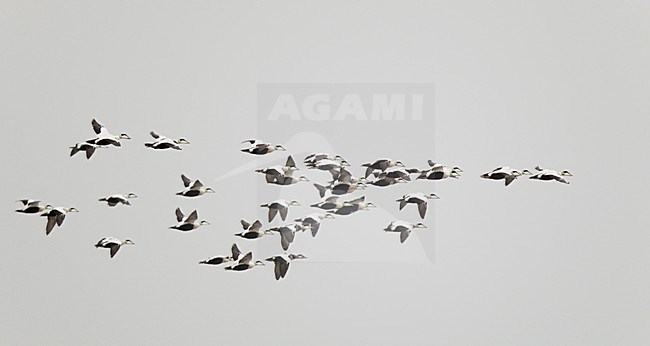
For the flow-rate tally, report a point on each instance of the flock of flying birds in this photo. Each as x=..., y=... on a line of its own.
x=380, y=173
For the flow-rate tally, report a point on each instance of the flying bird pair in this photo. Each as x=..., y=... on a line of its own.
x=282, y=175
x=509, y=175
x=102, y=139
x=235, y=253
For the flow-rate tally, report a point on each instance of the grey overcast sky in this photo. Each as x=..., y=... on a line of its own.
x=563, y=84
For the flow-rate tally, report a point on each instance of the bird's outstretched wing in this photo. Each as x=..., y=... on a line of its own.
x=272, y=213
x=192, y=217
x=51, y=221
x=60, y=218
x=281, y=267
x=186, y=180
x=290, y=162
x=422, y=208
x=255, y=226
x=114, y=249
x=97, y=127
x=197, y=185
x=179, y=215
x=283, y=213
x=246, y=259
x=403, y=235
x=235, y=252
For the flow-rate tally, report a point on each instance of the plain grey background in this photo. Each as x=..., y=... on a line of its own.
x=560, y=84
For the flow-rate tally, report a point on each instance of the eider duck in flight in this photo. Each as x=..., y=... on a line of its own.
x=313, y=159
x=403, y=228
x=287, y=234
x=386, y=181
x=278, y=173
x=548, y=175
x=282, y=263
x=193, y=189
x=56, y=216
x=395, y=173
x=162, y=142
x=114, y=200
x=235, y=253
x=113, y=243
x=417, y=198
x=328, y=165
x=505, y=173
x=439, y=171
x=342, y=175
x=381, y=164
x=339, y=188
x=330, y=203
x=105, y=138
x=188, y=223
x=245, y=263
x=353, y=206
x=259, y=148
x=31, y=206
x=253, y=231
x=313, y=221
x=280, y=205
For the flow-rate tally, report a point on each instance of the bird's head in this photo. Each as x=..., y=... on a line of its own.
x=131, y=195
x=298, y=256
x=419, y=225
x=209, y=190
x=280, y=148
x=399, y=164
x=124, y=136
x=294, y=203
x=128, y=242
x=432, y=196
x=566, y=173
x=183, y=141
